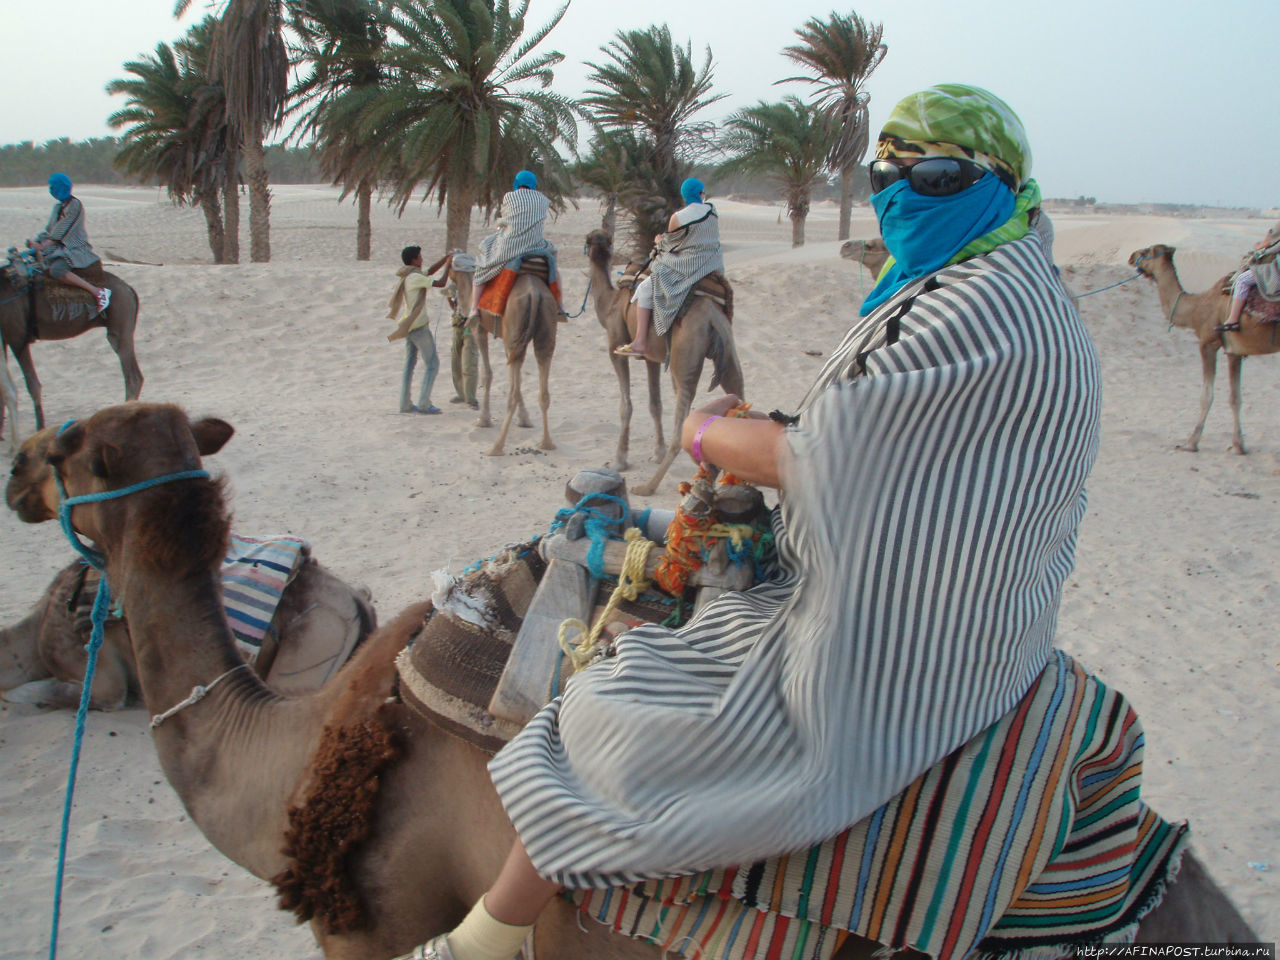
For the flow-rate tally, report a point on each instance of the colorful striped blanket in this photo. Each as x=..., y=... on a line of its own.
x=254, y=575
x=1028, y=841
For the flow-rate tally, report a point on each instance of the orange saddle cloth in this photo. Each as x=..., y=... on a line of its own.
x=498, y=290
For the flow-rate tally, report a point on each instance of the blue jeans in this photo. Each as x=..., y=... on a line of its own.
x=419, y=341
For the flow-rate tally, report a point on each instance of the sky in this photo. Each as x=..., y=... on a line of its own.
x=1127, y=101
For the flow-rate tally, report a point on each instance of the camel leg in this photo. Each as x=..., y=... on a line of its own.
x=623, y=373
x=514, y=401
x=10, y=404
x=34, y=390
x=1208, y=370
x=121, y=342
x=544, y=393
x=1235, y=367
x=654, y=371
x=486, y=375
x=683, y=402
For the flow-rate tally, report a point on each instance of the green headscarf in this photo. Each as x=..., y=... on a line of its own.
x=967, y=122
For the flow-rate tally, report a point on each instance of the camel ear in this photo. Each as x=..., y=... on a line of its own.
x=211, y=434
x=66, y=443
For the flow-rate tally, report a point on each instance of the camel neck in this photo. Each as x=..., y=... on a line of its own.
x=1171, y=293
x=236, y=756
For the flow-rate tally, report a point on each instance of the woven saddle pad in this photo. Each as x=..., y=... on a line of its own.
x=449, y=672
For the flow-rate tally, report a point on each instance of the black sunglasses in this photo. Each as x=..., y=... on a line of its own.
x=933, y=177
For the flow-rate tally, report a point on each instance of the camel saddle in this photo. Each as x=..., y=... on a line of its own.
x=1257, y=306
x=714, y=286
x=493, y=302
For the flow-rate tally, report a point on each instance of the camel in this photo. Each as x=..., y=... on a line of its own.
x=8, y=400
x=43, y=655
x=530, y=317
x=1201, y=313
x=19, y=329
x=403, y=831
x=872, y=253
x=703, y=333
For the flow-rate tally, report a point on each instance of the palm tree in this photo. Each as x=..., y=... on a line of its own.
x=250, y=60
x=341, y=42
x=464, y=107
x=608, y=170
x=842, y=51
x=648, y=85
x=791, y=141
x=177, y=132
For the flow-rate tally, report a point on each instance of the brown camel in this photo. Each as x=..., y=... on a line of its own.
x=703, y=333
x=871, y=253
x=530, y=317
x=413, y=833
x=19, y=329
x=1201, y=313
x=319, y=621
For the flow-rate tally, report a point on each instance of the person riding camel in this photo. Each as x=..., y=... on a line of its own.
x=930, y=490
x=687, y=252
x=1246, y=281
x=524, y=211
x=64, y=244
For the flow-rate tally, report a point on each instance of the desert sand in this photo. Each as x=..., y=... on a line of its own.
x=1170, y=600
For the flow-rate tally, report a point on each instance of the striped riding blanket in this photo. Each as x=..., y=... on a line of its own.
x=1030, y=840
x=254, y=575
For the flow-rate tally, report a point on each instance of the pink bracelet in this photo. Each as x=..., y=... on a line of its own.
x=697, y=437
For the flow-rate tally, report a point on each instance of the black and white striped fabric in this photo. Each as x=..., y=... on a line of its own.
x=684, y=257
x=519, y=233
x=927, y=526
x=66, y=227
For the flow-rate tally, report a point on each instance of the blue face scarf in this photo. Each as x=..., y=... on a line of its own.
x=924, y=233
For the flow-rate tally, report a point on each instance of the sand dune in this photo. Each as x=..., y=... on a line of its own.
x=1173, y=599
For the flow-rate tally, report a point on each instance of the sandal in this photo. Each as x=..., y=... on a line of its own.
x=103, y=297
x=437, y=949
x=626, y=350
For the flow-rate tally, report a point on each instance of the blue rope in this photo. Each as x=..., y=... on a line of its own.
x=101, y=606
x=600, y=527
x=582, y=309
x=1136, y=275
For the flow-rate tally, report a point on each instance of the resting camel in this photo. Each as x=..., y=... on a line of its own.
x=43, y=655
x=871, y=253
x=704, y=333
x=404, y=831
x=20, y=330
x=1200, y=313
x=530, y=317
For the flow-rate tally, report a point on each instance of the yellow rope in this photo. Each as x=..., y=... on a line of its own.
x=631, y=583
x=737, y=532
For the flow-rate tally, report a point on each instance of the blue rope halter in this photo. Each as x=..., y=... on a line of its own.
x=101, y=604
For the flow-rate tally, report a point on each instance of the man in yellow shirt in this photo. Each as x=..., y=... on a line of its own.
x=409, y=303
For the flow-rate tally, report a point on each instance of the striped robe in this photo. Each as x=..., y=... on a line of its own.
x=683, y=258
x=519, y=234
x=66, y=227
x=926, y=529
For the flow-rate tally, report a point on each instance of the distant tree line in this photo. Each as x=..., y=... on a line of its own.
x=29, y=164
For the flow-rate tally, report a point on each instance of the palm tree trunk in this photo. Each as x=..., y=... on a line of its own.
x=231, y=209
x=798, y=211
x=797, y=229
x=213, y=222
x=609, y=222
x=364, y=227
x=255, y=171
x=458, y=205
x=846, y=200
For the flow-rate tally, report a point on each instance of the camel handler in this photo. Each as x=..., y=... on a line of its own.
x=63, y=245
x=687, y=252
x=464, y=357
x=524, y=212
x=409, y=303
x=930, y=490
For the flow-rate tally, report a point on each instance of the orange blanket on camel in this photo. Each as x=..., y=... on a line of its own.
x=497, y=290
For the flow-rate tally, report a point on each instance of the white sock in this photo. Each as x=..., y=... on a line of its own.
x=480, y=937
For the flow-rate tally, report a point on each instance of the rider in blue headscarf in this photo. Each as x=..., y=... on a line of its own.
x=64, y=243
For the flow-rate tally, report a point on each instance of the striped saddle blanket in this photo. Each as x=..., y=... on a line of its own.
x=1029, y=842
x=254, y=575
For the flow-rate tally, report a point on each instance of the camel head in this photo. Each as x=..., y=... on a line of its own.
x=598, y=248
x=173, y=527
x=1144, y=260
x=870, y=253
x=31, y=492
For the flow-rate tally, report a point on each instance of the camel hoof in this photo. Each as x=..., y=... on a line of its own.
x=646, y=490
x=495, y=452
x=1238, y=448
x=1188, y=447
x=484, y=422
x=526, y=424
x=546, y=445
